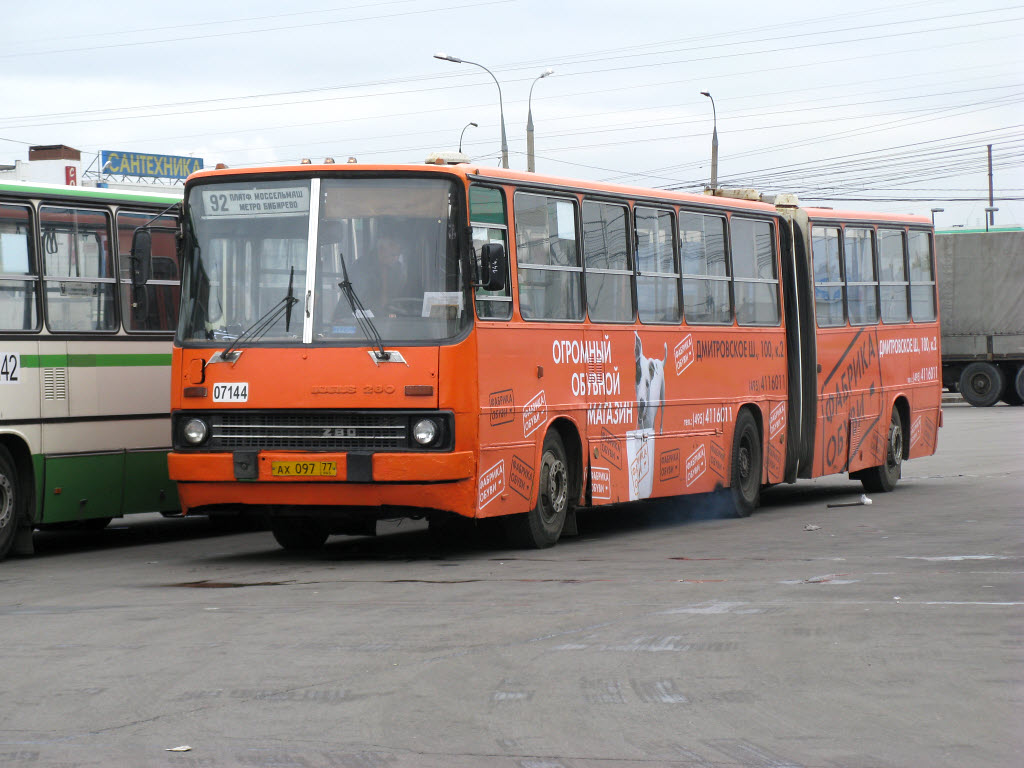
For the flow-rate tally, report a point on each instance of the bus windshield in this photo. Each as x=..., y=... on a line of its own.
x=394, y=239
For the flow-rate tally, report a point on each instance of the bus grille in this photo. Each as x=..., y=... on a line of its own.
x=332, y=431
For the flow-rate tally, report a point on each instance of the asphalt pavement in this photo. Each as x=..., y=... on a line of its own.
x=869, y=636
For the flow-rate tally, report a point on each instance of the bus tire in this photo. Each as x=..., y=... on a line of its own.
x=981, y=384
x=11, y=502
x=883, y=478
x=745, y=471
x=299, y=534
x=1018, y=383
x=541, y=527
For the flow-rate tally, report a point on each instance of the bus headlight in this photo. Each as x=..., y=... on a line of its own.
x=425, y=431
x=195, y=431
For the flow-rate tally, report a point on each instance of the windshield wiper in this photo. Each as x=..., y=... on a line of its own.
x=359, y=311
x=258, y=329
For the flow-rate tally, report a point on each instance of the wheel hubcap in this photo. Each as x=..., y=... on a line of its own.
x=895, y=456
x=744, y=462
x=6, y=500
x=556, y=491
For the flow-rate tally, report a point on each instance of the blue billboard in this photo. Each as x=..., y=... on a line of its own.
x=154, y=166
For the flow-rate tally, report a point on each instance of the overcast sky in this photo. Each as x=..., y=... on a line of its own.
x=868, y=105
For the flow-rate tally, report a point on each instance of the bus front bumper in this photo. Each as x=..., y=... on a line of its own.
x=417, y=480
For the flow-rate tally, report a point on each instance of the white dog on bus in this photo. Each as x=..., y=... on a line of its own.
x=650, y=387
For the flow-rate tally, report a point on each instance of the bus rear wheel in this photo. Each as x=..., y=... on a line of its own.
x=298, y=534
x=745, y=474
x=883, y=478
x=541, y=527
x=10, y=502
x=981, y=384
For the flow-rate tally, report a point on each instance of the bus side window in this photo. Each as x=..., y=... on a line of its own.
x=828, y=277
x=892, y=276
x=755, y=274
x=609, y=274
x=487, y=219
x=922, y=278
x=79, y=274
x=861, y=279
x=548, y=258
x=154, y=306
x=18, y=281
x=705, y=269
x=657, y=265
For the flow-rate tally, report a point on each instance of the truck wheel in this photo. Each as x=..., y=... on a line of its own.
x=297, y=534
x=542, y=526
x=1013, y=392
x=10, y=502
x=981, y=384
x=745, y=475
x=883, y=478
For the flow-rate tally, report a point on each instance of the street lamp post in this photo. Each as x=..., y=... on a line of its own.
x=477, y=126
x=934, y=211
x=530, y=165
x=714, y=143
x=501, y=106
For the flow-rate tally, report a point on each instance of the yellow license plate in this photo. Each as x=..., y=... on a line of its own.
x=304, y=468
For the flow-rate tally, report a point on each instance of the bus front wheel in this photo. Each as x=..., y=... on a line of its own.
x=298, y=534
x=883, y=478
x=10, y=502
x=745, y=475
x=542, y=526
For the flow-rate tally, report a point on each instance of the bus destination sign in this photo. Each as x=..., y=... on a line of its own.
x=282, y=201
x=153, y=166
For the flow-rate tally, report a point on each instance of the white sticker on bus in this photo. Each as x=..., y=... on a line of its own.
x=10, y=368
x=234, y=392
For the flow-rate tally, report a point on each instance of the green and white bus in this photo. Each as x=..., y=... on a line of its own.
x=85, y=357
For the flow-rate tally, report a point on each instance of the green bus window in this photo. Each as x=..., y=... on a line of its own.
x=154, y=306
x=18, y=283
x=78, y=270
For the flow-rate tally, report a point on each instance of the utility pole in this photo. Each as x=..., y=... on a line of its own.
x=991, y=200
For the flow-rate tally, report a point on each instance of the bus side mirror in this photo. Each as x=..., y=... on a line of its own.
x=142, y=256
x=493, y=267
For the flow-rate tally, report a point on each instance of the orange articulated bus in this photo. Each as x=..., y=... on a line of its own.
x=360, y=342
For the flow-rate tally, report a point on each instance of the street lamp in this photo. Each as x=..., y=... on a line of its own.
x=501, y=106
x=477, y=126
x=714, y=143
x=990, y=215
x=934, y=211
x=530, y=165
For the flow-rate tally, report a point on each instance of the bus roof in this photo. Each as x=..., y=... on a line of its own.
x=477, y=171
x=896, y=218
x=38, y=189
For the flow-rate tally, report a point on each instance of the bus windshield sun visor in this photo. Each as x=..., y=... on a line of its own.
x=256, y=331
x=363, y=318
